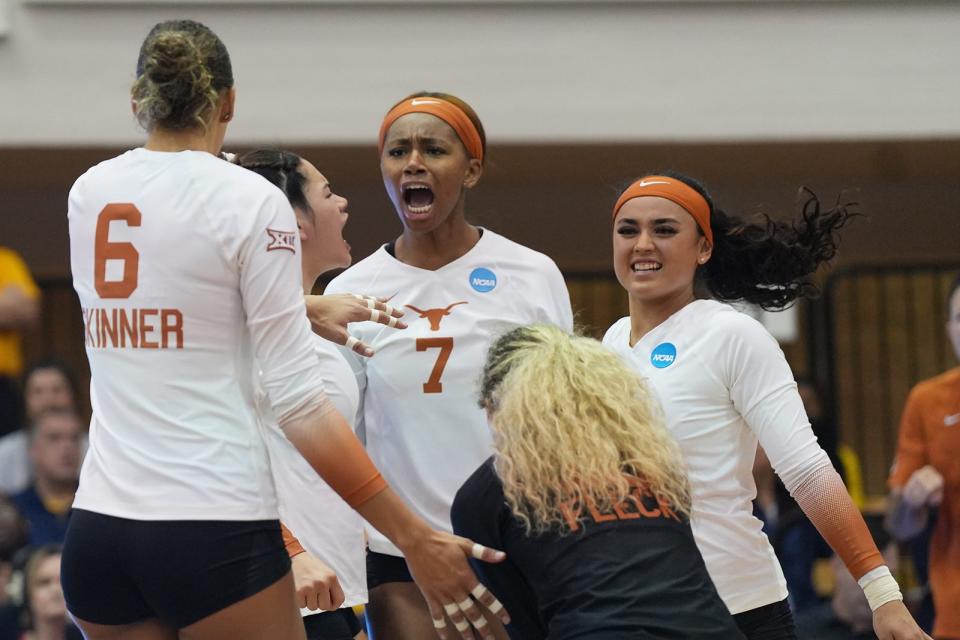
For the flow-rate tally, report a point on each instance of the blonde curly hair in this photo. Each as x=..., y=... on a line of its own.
x=575, y=425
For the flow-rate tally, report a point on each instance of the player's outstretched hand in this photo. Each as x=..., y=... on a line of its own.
x=329, y=316
x=317, y=585
x=892, y=621
x=439, y=566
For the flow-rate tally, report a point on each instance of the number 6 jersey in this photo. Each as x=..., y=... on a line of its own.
x=187, y=270
x=419, y=409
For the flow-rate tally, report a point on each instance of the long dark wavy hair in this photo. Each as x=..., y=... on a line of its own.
x=768, y=262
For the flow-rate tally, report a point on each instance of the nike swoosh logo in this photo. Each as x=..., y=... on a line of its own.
x=951, y=420
x=647, y=184
x=416, y=102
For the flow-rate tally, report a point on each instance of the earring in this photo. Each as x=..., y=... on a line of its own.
x=226, y=117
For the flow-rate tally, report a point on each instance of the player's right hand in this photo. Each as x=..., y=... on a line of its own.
x=329, y=316
x=317, y=585
x=453, y=593
x=925, y=487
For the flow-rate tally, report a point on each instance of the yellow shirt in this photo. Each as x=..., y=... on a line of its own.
x=13, y=273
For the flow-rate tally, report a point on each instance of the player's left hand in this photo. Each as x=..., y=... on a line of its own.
x=892, y=621
x=329, y=316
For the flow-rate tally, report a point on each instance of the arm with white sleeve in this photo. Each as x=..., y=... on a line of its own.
x=763, y=390
x=280, y=333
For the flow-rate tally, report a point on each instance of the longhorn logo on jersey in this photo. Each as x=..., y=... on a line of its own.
x=435, y=316
x=282, y=240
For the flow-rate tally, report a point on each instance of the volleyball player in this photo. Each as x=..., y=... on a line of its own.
x=460, y=286
x=323, y=535
x=724, y=385
x=588, y=495
x=187, y=269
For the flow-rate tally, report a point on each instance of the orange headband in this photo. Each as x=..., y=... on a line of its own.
x=675, y=191
x=446, y=111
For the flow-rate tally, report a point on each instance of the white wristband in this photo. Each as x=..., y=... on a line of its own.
x=880, y=587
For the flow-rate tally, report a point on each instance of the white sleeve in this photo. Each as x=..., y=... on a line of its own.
x=558, y=311
x=764, y=392
x=358, y=364
x=275, y=312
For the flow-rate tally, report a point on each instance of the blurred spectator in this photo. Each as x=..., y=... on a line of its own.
x=47, y=384
x=13, y=537
x=926, y=476
x=55, y=455
x=44, y=609
x=19, y=310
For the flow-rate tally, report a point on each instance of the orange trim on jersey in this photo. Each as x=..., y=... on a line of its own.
x=290, y=542
x=824, y=499
x=448, y=112
x=674, y=190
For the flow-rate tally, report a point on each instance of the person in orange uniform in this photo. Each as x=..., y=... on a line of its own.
x=926, y=474
x=19, y=309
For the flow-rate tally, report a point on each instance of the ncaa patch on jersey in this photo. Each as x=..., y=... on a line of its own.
x=664, y=355
x=483, y=280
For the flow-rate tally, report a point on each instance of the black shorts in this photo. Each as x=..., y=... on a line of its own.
x=341, y=624
x=117, y=571
x=383, y=568
x=773, y=621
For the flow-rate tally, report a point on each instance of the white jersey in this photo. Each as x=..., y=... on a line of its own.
x=188, y=270
x=423, y=427
x=724, y=382
x=326, y=526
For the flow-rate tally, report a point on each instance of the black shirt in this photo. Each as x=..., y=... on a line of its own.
x=633, y=572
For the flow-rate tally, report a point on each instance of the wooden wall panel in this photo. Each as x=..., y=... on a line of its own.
x=889, y=334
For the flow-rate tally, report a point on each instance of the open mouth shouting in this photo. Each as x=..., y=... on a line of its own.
x=418, y=198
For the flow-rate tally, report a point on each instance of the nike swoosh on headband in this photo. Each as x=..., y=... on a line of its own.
x=647, y=184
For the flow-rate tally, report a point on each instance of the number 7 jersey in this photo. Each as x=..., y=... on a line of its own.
x=419, y=409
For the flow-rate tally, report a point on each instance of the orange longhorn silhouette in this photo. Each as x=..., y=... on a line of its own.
x=435, y=315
